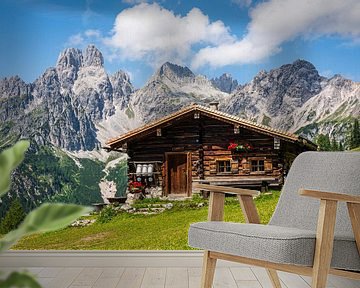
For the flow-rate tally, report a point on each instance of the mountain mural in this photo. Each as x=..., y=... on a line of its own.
x=73, y=108
x=297, y=99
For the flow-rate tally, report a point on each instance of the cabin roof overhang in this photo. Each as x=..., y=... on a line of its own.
x=116, y=143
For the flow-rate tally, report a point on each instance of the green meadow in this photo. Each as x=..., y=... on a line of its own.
x=124, y=231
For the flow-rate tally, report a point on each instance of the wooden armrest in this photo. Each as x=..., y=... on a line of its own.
x=228, y=190
x=330, y=196
x=217, y=198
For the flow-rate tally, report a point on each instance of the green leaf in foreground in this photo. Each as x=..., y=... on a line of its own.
x=9, y=159
x=47, y=217
x=17, y=279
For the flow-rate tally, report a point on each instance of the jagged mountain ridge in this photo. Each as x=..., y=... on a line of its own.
x=67, y=113
x=59, y=112
x=275, y=94
x=171, y=88
x=225, y=83
x=76, y=106
x=294, y=96
x=64, y=104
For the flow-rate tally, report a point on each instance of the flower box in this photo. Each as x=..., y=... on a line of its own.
x=238, y=148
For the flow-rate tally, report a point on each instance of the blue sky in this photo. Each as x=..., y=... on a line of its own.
x=239, y=37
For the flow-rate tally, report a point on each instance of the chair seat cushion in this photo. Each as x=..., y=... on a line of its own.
x=270, y=243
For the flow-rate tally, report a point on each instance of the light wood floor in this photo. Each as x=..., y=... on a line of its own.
x=144, y=270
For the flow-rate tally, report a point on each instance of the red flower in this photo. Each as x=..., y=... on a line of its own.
x=232, y=146
x=240, y=147
x=136, y=186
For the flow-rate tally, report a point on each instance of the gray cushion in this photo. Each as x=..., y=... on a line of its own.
x=270, y=243
x=290, y=235
x=325, y=171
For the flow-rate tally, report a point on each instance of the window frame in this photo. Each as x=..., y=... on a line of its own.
x=218, y=172
x=257, y=166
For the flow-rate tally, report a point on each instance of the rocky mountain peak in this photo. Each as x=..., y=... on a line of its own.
x=122, y=88
x=174, y=72
x=274, y=96
x=299, y=80
x=300, y=64
x=299, y=69
x=13, y=86
x=93, y=57
x=67, y=66
x=121, y=76
x=339, y=81
x=70, y=57
x=225, y=83
x=77, y=104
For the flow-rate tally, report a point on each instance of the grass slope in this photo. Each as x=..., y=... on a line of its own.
x=166, y=231
x=48, y=174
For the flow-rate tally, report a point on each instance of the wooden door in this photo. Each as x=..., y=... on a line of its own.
x=177, y=173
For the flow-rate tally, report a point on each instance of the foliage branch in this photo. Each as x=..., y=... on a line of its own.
x=47, y=217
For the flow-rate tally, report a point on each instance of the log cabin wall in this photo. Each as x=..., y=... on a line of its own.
x=183, y=135
x=207, y=140
x=217, y=137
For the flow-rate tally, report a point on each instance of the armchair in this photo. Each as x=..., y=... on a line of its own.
x=313, y=231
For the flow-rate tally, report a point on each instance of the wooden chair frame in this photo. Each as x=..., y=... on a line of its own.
x=324, y=236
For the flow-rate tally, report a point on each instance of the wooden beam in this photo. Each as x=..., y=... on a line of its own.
x=208, y=269
x=274, y=278
x=354, y=212
x=252, y=216
x=216, y=206
x=290, y=268
x=215, y=213
x=324, y=243
x=302, y=270
x=229, y=190
x=249, y=209
x=330, y=196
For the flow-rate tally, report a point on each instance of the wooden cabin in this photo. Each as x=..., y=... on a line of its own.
x=201, y=144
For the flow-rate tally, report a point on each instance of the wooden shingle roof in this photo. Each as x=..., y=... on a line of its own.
x=216, y=114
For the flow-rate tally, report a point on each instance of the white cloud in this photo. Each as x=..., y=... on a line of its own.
x=81, y=39
x=327, y=73
x=88, y=13
x=92, y=33
x=75, y=40
x=152, y=33
x=242, y=3
x=277, y=21
x=133, y=2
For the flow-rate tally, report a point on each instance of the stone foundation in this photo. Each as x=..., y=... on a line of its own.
x=151, y=192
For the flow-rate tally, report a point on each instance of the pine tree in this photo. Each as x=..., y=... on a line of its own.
x=13, y=217
x=323, y=142
x=341, y=146
x=334, y=145
x=355, y=135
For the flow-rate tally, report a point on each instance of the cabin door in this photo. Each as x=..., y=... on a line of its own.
x=177, y=174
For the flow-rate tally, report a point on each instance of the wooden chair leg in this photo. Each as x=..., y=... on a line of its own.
x=208, y=271
x=274, y=278
x=354, y=212
x=324, y=243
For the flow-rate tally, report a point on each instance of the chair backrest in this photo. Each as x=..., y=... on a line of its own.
x=325, y=171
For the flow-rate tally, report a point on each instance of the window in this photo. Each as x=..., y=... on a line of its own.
x=257, y=166
x=223, y=166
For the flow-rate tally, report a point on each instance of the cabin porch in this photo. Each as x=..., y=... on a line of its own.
x=262, y=181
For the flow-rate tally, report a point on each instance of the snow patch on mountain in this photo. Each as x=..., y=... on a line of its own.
x=339, y=99
x=120, y=122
